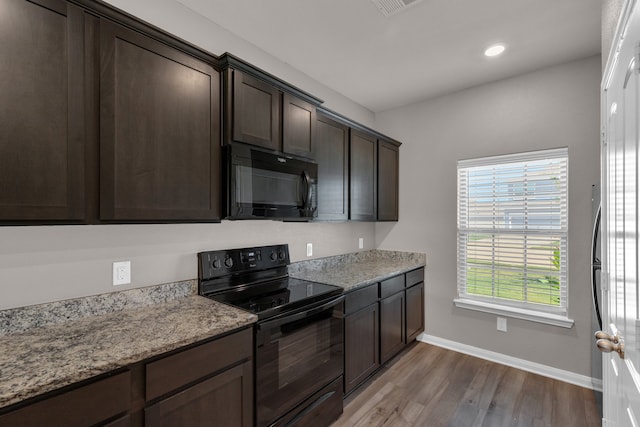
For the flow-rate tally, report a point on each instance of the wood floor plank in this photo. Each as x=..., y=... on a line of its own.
x=509, y=387
x=428, y=386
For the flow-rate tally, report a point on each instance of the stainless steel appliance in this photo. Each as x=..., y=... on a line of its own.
x=298, y=337
x=266, y=184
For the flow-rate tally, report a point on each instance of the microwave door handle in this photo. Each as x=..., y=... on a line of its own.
x=306, y=194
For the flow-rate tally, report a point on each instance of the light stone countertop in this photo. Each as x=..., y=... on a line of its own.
x=354, y=270
x=45, y=358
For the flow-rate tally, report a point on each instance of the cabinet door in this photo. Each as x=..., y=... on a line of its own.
x=331, y=151
x=362, y=180
x=225, y=400
x=362, y=346
x=256, y=111
x=415, y=311
x=298, y=126
x=388, y=163
x=392, y=326
x=159, y=131
x=87, y=405
x=42, y=115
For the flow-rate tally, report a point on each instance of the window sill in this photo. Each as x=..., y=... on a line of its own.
x=518, y=313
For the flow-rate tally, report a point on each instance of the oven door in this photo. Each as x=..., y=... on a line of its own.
x=297, y=355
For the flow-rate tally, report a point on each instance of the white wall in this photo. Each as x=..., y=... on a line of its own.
x=50, y=263
x=41, y=264
x=553, y=107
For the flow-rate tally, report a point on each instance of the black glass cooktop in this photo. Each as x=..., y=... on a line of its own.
x=274, y=297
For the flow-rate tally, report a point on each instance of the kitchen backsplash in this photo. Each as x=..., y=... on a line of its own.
x=16, y=320
x=370, y=255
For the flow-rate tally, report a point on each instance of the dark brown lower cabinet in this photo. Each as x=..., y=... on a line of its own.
x=392, y=325
x=92, y=404
x=415, y=311
x=380, y=321
x=210, y=383
x=362, y=346
x=225, y=399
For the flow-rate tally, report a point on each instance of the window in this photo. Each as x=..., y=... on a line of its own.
x=512, y=233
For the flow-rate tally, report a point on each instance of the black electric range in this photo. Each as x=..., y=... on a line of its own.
x=299, y=336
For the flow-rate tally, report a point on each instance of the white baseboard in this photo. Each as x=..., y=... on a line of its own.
x=514, y=362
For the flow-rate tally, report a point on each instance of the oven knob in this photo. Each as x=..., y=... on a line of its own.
x=281, y=255
x=216, y=263
x=274, y=256
x=228, y=262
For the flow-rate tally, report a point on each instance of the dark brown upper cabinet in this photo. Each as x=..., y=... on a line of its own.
x=256, y=111
x=331, y=151
x=159, y=131
x=362, y=176
x=42, y=131
x=298, y=126
x=388, y=180
x=262, y=110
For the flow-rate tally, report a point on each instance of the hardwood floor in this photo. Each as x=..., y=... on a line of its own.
x=430, y=386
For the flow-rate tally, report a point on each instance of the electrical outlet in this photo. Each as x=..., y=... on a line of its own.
x=502, y=324
x=309, y=249
x=361, y=243
x=121, y=273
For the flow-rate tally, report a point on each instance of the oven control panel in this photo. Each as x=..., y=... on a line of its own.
x=213, y=264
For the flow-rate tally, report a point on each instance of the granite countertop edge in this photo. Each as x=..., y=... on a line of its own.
x=357, y=270
x=35, y=362
x=353, y=287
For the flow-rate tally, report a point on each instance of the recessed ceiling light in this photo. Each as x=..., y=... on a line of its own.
x=494, y=50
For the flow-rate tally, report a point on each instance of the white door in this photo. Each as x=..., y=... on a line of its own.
x=621, y=122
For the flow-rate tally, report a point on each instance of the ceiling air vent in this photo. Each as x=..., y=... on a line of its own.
x=392, y=7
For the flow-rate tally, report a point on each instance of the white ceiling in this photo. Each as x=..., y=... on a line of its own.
x=431, y=48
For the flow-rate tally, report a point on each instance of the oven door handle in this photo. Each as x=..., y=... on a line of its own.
x=310, y=312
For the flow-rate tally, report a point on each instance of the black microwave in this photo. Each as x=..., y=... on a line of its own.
x=263, y=184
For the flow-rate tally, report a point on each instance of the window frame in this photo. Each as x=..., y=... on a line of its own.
x=539, y=312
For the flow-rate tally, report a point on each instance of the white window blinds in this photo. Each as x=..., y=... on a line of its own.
x=512, y=230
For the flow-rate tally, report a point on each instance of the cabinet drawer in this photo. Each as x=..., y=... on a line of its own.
x=415, y=277
x=182, y=368
x=360, y=298
x=391, y=286
x=86, y=405
x=225, y=399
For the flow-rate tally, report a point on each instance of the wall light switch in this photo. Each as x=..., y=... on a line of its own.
x=121, y=273
x=361, y=242
x=502, y=324
x=309, y=249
